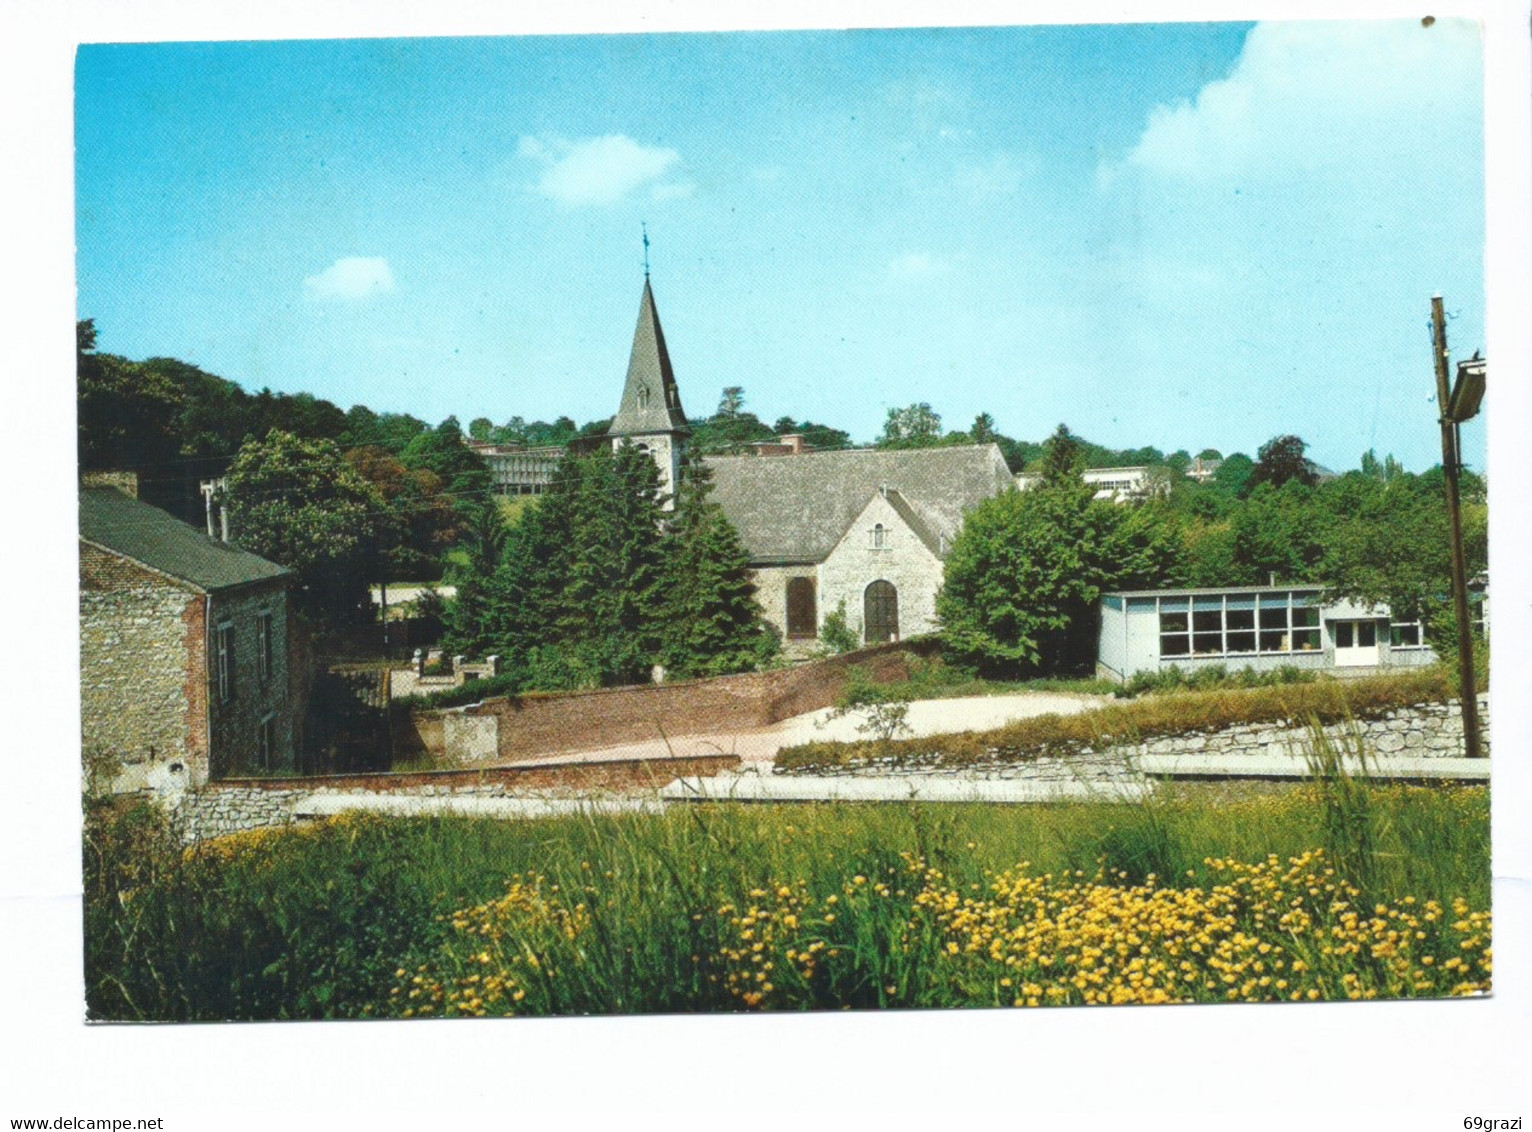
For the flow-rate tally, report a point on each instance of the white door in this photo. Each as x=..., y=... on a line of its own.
x=1356, y=643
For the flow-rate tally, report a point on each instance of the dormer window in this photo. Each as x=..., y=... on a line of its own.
x=879, y=537
x=643, y=396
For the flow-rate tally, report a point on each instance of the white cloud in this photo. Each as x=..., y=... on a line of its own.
x=1298, y=210
x=916, y=265
x=1338, y=97
x=352, y=277
x=598, y=171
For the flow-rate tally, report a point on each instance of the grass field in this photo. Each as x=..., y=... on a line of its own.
x=1322, y=891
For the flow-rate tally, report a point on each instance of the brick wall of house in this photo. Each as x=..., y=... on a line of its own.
x=236, y=723
x=140, y=670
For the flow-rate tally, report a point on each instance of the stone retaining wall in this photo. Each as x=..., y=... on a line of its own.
x=240, y=805
x=1423, y=730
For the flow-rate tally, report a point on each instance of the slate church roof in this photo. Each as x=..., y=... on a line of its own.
x=154, y=538
x=651, y=402
x=794, y=509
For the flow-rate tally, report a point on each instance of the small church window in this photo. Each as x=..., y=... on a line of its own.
x=879, y=537
x=643, y=396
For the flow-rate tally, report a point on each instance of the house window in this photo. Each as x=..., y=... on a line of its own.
x=879, y=537
x=265, y=655
x=1237, y=625
x=1478, y=613
x=1406, y=635
x=224, y=643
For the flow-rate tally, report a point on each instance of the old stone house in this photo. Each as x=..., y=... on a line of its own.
x=186, y=648
x=867, y=529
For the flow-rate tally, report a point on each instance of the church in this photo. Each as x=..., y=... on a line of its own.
x=866, y=530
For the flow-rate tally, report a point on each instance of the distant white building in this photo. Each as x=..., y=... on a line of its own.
x=1119, y=485
x=516, y=469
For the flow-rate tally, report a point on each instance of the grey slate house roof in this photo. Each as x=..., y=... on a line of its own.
x=156, y=539
x=794, y=509
x=651, y=401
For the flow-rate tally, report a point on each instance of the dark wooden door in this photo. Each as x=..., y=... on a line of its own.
x=880, y=613
x=802, y=613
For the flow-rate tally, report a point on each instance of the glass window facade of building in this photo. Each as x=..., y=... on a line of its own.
x=1238, y=624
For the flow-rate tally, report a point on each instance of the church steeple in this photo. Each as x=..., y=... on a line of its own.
x=650, y=416
x=651, y=401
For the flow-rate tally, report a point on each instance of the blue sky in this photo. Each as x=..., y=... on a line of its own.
x=1183, y=235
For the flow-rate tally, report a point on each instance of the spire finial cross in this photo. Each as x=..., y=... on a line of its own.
x=645, y=228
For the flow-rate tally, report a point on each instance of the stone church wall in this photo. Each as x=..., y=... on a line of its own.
x=771, y=592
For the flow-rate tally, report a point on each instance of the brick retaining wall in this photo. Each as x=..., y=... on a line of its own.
x=516, y=728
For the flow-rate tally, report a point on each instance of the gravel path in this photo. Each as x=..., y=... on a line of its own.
x=926, y=717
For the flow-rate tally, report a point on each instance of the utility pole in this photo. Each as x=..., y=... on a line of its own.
x=1468, y=695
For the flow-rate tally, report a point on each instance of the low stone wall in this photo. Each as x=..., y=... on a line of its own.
x=514, y=728
x=1421, y=731
x=241, y=805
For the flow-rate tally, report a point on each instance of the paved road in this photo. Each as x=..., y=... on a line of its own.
x=926, y=717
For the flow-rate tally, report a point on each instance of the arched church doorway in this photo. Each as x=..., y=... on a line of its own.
x=880, y=613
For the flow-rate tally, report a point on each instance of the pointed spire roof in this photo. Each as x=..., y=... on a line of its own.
x=651, y=401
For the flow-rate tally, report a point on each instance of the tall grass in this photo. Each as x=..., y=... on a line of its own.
x=647, y=912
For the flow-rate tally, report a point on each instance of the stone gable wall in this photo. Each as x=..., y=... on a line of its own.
x=142, y=698
x=905, y=561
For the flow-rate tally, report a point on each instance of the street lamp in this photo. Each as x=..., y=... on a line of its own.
x=1458, y=404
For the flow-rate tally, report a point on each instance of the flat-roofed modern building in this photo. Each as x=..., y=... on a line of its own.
x=1260, y=627
x=515, y=469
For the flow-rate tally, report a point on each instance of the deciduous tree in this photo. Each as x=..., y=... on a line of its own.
x=300, y=504
x=1279, y=460
x=914, y=426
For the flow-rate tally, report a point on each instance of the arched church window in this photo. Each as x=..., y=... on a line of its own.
x=879, y=536
x=802, y=616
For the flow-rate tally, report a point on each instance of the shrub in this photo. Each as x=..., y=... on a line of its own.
x=1208, y=676
x=836, y=634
